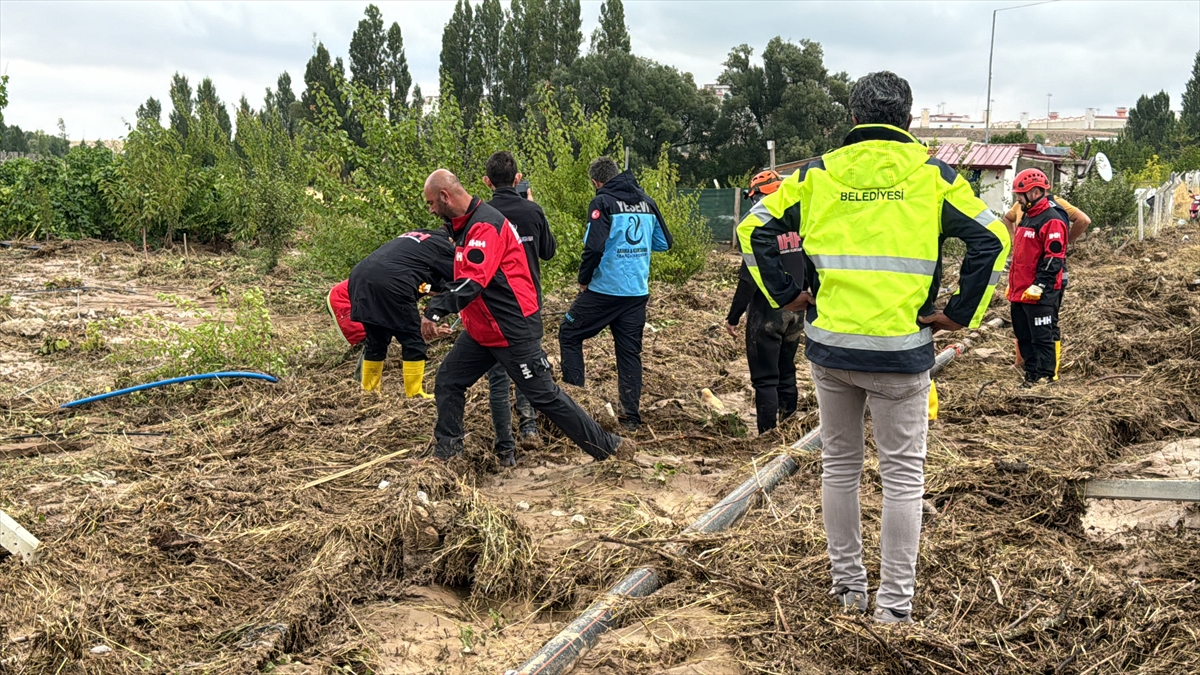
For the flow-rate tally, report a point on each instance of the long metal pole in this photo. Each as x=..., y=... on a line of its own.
x=987, y=123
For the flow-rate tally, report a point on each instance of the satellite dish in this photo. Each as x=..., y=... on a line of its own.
x=1103, y=167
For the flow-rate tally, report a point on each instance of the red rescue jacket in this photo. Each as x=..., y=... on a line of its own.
x=1039, y=252
x=493, y=290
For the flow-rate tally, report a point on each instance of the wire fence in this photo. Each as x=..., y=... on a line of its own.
x=1157, y=208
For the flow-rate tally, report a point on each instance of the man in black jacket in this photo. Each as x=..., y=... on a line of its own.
x=624, y=226
x=494, y=294
x=534, y=232
x=384, y=288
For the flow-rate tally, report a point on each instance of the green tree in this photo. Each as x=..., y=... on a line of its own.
x=486, y=37
x=1190, y=119
x=611, y=35
x=181, y=103
x=461, y=69
x=791, y=99
x=325, y=76
x=285, y=101
x=568, y=35
x=3, y=97
x=150, y=110
x=207, y=99
x=397, y=73
x=150, y=185
x=368, y=48
x=1151, y=121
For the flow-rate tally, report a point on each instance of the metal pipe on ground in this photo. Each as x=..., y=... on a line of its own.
x=561, y=652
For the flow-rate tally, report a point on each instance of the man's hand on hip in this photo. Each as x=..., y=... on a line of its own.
x=939, y=321
x=432, y=331
x=801, y=303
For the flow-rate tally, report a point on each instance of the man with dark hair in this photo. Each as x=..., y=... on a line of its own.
x=870, y=219
x=534, y=232
x=382, y=293
x=494, y=294
x=624, y=226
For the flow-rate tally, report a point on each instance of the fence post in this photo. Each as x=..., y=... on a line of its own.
x=1141, y=218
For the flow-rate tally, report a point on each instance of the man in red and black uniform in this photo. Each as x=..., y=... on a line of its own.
x=1035, y=278
x=494, y=293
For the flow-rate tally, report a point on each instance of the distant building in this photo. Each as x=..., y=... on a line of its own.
x=944, y=120
x=430, y=104
x=1089, y=120
x=720, y=91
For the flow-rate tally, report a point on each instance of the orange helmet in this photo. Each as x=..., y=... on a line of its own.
x=764, y=183
x=1029, y=179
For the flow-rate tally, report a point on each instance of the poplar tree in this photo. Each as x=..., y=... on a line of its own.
x=285, y=101
x=181, y=104
x=1191, y=103
x=368, y=48
x=611, y=35
x=396, y=70
x=150, y=110
x=486, y=37
x=206, y=98
x=461, y=67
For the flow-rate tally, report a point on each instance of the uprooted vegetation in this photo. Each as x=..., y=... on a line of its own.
x=180, y=530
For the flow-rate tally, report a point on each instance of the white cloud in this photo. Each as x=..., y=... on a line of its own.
x=92, y=63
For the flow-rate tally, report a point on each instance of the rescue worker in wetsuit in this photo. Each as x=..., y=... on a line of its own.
x=383, y=291
x=494, y=294
x=502, y=177
x=772, y=334
x=1035, y=278
x=624, y=226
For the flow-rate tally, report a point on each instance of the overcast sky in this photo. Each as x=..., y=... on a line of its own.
x=92, y=63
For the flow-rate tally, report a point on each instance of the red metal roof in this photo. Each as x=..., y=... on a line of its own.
x=979, y=155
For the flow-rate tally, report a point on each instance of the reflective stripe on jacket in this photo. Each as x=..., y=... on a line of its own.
x=871, y=218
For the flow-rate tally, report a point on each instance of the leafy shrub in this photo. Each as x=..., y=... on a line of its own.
x=214, y=344
x=692, y=238
x=1110, y=204
x=58, y=197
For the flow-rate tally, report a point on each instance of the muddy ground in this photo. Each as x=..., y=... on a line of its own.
x=179, y=533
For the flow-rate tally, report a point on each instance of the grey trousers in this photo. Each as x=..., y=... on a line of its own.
x=900, y=414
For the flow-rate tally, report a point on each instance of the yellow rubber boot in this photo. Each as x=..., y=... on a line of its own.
x=933, y=400
x=372, y=375
x=414, y=374
x=1057, y=357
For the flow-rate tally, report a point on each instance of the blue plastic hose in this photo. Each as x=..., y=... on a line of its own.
x=173, y=380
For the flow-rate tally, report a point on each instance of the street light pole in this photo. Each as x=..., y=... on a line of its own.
x=987, y=125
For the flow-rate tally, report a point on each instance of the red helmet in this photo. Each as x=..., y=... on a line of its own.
x=764, y=183
x=1029, y=179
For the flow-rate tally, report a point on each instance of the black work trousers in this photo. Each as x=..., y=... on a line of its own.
x=526, y=364
x=1036, y=328
x=626, y=317
x=379, y=337
x=772, y=339
x=499, y=384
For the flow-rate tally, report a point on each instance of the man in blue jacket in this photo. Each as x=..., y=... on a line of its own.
x=624, y=226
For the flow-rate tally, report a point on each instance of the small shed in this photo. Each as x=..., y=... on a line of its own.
x=995, y=166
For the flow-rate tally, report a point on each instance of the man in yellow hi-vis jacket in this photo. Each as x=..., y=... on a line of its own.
x=868, y=221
